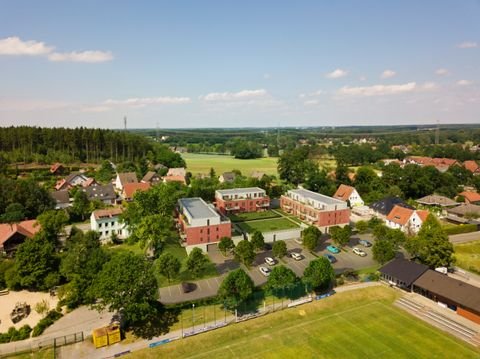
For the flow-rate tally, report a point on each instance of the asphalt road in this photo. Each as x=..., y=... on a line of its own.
x=465, y=237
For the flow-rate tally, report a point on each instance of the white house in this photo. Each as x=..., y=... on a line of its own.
x=107, y=222
x=349, y=194
x=408, y=220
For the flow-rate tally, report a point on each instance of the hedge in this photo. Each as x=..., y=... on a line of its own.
x=462, y=228
x=14, y=335
x=43, y=324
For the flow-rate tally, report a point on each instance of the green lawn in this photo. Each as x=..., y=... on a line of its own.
x=267, y=225
x=248, y=216
x=200, y=163
x=356, y=324
x=468, y=256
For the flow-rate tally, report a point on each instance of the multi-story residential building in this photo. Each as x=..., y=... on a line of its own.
x=107, y=222
x=236, y=200
x=315, y=208
x=201, y=224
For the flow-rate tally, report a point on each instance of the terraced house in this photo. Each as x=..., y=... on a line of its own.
x=251, y=199
x=315, y=208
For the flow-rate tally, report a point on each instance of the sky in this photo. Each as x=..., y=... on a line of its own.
x=184, y=64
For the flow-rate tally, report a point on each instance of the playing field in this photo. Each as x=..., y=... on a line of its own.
x=200, y=163
x=267, y=225
x=357, y=324
x=468, y=256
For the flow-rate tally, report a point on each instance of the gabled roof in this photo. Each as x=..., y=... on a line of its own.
x=55, y=167
x=177, y=172
x=127, y=177
x=344, y=192
x=130, y=188
x=465, y=208
x=107, y=213
x=175, y=179
x=26, y=228
x=385, y=206
x=71, y=177
x=404, y=270
x=61, y=197
x=470, y=196
x=102, y=193
x=422, y=214
x=90, y=182
x=400, y=215
x=228, y=176
x=436, y=200
x=472, y=166
x=61, y=184
x=149, y=176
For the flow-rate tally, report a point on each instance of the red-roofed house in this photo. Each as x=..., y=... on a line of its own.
x=472, y=166
x=471, y=197
x=408, y=220
x=349, y=194
x=57, y=169
x=13, y=235
x=129, y=189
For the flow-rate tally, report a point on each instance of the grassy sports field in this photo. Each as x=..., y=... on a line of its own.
x=468, y=255
x=356, y=324
x=200, y=163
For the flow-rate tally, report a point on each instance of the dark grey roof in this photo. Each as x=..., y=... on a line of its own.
x=61, y=197
x=228, y=176
x=461, y=293
x=465, y=208
x=101, y=193
x=149, y=176
x=404, y=270
x=385, y=206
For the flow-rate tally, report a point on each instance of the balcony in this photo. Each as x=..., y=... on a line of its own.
x=263, y=205
x=232, y=208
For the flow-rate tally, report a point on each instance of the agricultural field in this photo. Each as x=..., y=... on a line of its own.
x=201, y=163
x=468, y=256
x=267, y=225
x=356, y=324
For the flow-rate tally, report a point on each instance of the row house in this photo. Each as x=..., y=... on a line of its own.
x=315, y=208
x=252, y=199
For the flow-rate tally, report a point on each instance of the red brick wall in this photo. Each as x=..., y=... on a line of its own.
x=469, y=315
x=202, y=235
x=246, y=205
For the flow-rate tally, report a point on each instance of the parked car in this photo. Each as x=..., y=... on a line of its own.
x=188, y=287
x=296, y=256
x=265, y=271
x=359, y=252
x=270, y=261
x=365, y=243
x=330, y=258
x=333, y=249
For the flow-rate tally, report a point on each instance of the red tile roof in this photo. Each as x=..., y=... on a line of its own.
x=129, y=189
x=107, y=213
x=27, y=228
x=343, y=192
x=400, y=215
x=423, y=214
x=55, y=167
x=471, y=196
x=472, y=166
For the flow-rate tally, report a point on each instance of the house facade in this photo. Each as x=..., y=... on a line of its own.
x=11, y=236
x=349, y=194
x=408, y=220
x=72, y=180
x=315, y=208
x=124, y=178
x=107, y=222
x=200, y=224
x=237, y=200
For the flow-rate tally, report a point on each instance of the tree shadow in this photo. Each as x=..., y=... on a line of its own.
x=157, y=323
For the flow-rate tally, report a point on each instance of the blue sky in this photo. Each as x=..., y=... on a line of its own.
x=238, y=63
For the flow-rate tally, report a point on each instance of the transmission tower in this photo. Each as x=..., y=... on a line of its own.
x=125, y=123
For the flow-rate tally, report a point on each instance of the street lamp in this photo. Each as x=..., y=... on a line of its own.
x=193, y=317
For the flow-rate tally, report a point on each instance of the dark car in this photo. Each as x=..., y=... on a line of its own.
x=330, y=258
x=188, y=287
x=365, y=243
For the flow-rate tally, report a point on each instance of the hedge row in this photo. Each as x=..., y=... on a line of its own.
x=43, y=324
x=14, y=335
x=462, y=228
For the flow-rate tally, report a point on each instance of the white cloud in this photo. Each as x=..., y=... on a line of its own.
x=464, y=82
x=311, y=102
x=83, y=56
x=377, y=90
x=467, y=45
x=337, y=74
x=387, y=74
x=16, y=46
x=442, y=72
x=96, y=109
x=244, y=95
x=429, y=86
x=144, y=101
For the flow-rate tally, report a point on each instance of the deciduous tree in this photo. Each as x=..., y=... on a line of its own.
x=319, y=273
x=383, y=251
x=196, y=261
x=235, y=288
x=226, y=244
x=169, y=266
x=310, y=237
x=244, y=252
x=280, y=279
x=279, y=249
x=258, y=242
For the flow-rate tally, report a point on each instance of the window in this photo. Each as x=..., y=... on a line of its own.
x=113, y=223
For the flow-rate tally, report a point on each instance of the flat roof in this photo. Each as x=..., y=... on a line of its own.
x=240, y=190
x=197, y=208
x=404, y=270
x=316, y=196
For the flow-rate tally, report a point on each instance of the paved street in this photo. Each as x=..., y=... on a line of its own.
x=465, y=237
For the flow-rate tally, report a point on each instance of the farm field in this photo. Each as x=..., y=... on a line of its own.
x=201, y=163
x=267, y=225
x=468, y=256
x=357, y=324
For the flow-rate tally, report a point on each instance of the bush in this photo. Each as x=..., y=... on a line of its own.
x=43, y=324
x=14, y=335
x=462, y=228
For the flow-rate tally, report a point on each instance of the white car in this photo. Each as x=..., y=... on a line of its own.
x=296, y=256
x=270, y=261
x=265, y=271
x=359, y=252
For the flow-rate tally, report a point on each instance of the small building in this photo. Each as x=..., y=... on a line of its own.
x=57, y=169
x=437, y=201
x=105, y=194
x=402, y=272
x=200, y=224
x=61, y=198
x=227, y=177
x=470, y=197
x=131, y=188
x=349, y=194
x=252, y=199
x=384, y=206
x=72, y=180
x=180, y=179
x=472, y=166
x=258, y=175
x=180, y=171
x=465, y=210
x=90, y=183
x=107, y=222
x=408, y=220
x=315, y=208
x=152, y=178
x=451, y=293
x=12, y=235
x=124, y=178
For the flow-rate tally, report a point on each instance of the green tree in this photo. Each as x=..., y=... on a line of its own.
x=126, y=283
x=341, y=236
x=244, y=252
x=258, y=242
x=105, y=173
x=153, y=232
x=279, y=249
x=196, y=261
x=226, y=244
x=235, y=288
x=310, y=237
x=169, y=266
x=319, y=273
x=52, y=224
x=383, y=251
x=361, y=227
x=81, y=205
x=14, y=213
x=280, y=279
